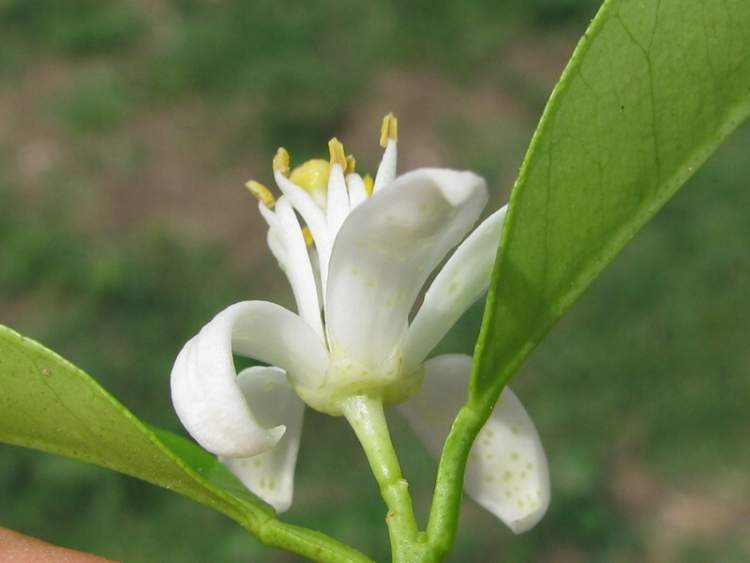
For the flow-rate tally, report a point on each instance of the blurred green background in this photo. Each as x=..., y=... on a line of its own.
x=127, y=131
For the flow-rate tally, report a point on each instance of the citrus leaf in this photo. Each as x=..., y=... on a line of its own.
x=651, y=91
x=48, y=404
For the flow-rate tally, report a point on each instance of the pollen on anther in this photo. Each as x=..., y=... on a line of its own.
x=281, y=161
x=369, y=183
x=261, y=193
x=351, y=164
x=338, y=156
x=307, y=235
x=388, y=130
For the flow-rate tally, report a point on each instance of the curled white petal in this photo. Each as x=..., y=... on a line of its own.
x=384, y=252
x=270, y=475
x=205, y=391
x=506, y=472
x=463, y=280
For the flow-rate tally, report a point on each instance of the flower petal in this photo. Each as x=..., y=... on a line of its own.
x=386, y=173
x=276, y=243
x=357, y=190
x=313, y=217
x=338, y=199
x=384, y=252
x=275, y=237
x=298, y=269
x=463, y=280
x=506, y=472
x=270, y=475
x=205, y=390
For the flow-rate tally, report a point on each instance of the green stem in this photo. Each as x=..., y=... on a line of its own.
x=366, y=417
x=308, y=543
x=446, y=501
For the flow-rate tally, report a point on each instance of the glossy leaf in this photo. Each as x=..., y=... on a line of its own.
x=46, y=403
x=650, y=92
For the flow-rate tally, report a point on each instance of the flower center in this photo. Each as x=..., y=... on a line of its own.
x=318, y=196
x=345, y=379
x=312, y=176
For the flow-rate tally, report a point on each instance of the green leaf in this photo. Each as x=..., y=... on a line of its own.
x=650, y=92
x=653, y=87
x=46, y=403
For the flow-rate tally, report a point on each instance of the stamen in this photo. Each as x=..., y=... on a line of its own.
x=336, y=150
x=281, y=161
x=261, y=193
x=388, y=130
x=351, y=164
x=369, y=183
x=307, y=235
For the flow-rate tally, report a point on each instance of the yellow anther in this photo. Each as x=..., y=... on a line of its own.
x=312, y=176
x=351, y=164
x=389, y=129
x=261, y=193
x=281, y=161
x=307, y=235
x=336, y=150
x=369, y=183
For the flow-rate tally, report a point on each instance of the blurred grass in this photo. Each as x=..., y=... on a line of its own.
x=639, y=394
x=96, y=104
x=75, y=28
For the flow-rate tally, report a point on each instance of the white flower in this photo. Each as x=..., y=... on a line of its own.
x=372, y=248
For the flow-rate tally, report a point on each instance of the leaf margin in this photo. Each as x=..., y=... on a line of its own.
x=251, y=513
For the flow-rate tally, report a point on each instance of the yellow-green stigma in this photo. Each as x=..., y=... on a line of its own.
x=312, y=176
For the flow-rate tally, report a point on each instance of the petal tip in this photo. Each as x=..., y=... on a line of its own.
x=522, y=525
x=275, y=434
x=458, y=185
x=281, y=505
